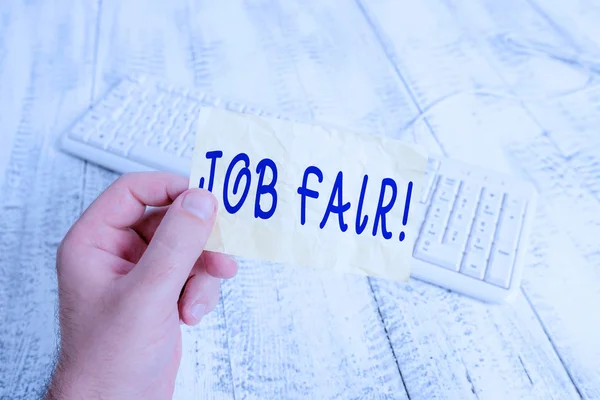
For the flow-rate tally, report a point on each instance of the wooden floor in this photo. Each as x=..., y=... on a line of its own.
x=498, y=89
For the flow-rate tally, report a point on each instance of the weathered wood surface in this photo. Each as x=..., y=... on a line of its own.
x=371, y=66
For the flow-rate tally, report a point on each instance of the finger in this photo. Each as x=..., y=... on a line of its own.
x=176, y=245
x=220, y=265
x=200, y=296
x=124, y=202
x=146, y=226
x=123, y=247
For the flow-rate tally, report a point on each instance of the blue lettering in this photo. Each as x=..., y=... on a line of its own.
x=360, y=226
x=264, y=189
x=212, y=156
x=406, y=207
x=338, y=208
x=304, y=192
x=244, y=172
x=381, y=209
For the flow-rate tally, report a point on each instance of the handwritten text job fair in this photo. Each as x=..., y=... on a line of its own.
x=310, y=187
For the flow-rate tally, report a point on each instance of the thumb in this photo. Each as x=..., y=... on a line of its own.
x=177, y=244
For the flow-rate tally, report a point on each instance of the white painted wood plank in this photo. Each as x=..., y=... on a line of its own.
x=295, y=333
x=564, y=164
x=266, y=316
x=437, y=57
x=372, y=361
x=41, y=197
x=437, y=60
x=14, y=78
x=153, y=38
x=576, y=21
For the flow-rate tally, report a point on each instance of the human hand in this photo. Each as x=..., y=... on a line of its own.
x=126, y=277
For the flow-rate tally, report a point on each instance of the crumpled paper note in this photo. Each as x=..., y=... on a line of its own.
x=297, y=194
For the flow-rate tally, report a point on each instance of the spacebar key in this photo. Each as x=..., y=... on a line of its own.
x=160, y=160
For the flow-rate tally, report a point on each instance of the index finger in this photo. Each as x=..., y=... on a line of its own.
x=123, y=203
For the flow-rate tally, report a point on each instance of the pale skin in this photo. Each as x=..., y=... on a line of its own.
x=128, y=277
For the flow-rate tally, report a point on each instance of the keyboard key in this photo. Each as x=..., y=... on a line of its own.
x=440, y=211
x=99, y=138
x=446, y=190
x=484, y=225
x=184, y=117
x=147, y=120
x=137, y=135
x=166, y=116
x=174, y=147
x=491, y=200
x=158, y=141
x=120, y=145
x=181, y=131
x=466, y=204
x=171, y=101
x=211, y=101
x=267, y=114
x=190, y=137
x=106, y=109
x=131, y=114
x=456, y=236
x=79, y=131
x=86, y=126
x=252, y=110
x=161, y=126
x=124, y=131
x=181, y=123
x=515, y=206
x=449, y=183
x=234, y=106
x=474, y=264
x=158, y=159
x=118, y=110
x=428, y=187
x=188, y=152
x=480, y=243
x=435, y=253
x=125, y=88
x=501, y=265
x=433, y=164
x=509, y=227
x=433, y=228
x=437, y=220
x=130, y=130
x=139, y=104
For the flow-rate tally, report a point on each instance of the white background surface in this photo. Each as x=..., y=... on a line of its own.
x=282, y=333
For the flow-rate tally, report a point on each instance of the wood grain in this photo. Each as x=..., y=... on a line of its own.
x=267, y=341
x=439, y=39
x=41, y=195
x=14, y=54
x=564, y=167
x=279, y=344
x=369, y=66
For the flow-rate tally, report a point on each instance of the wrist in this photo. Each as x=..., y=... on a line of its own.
x=67, y=384
x=61, y=386
x=72, y=382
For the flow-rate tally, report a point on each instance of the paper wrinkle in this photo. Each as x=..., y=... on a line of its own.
x=293, y=147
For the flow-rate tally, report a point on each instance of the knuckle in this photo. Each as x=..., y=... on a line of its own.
x=127, y=177
x=61, y=249
x=125, y=181
x=62, y=253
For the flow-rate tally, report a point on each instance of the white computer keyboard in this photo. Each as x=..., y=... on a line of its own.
x=476, y=222
x=475, y=230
